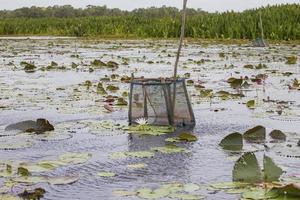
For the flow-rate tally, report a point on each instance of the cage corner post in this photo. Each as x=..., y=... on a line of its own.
x=130, y=100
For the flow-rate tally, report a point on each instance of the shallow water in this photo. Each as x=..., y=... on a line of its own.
x=60, y=96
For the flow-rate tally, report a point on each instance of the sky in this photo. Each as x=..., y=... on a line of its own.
x=207, y=5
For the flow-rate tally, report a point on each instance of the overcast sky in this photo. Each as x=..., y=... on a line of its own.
x=207, y=5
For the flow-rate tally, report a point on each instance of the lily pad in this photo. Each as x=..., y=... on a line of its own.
x=147, y=193
x=106, y=174
x=191, y=187
x=277, y=135
x=75, y=158
x=256, y=133
x=40, y=126
x=259, y=194
x=169, y=149
x=232, y=142
x=136, y=154
x=184, y=196
x=271, y=171
x=247, y=169
x=137, y=166
x=290, y=190
x=124, y=193
x=187, y=137
x=229, y=185
x=150, y=130
x=251, y=104
x=9, y=197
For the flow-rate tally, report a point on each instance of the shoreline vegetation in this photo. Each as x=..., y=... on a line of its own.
x=109, y=38
x=281, y=23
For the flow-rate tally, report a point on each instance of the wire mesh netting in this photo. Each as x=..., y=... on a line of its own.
x=154, y=100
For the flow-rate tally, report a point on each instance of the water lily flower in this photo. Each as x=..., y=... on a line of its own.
x=141, y=121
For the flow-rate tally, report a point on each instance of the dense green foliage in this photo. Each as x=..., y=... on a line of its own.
x=280, y=22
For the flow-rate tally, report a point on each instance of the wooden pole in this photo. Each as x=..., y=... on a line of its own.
x=181, y=38
x=177, y=58
x=261, y=27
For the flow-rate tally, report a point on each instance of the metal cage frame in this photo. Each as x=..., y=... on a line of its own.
x=169, y=98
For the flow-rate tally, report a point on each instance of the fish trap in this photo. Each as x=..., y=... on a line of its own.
x=160, y=102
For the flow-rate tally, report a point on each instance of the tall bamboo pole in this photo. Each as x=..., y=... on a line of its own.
x=261, y=26
x=178, y=56
x=181, y=38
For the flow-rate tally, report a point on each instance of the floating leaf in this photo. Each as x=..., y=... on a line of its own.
x=187, y=137
x=183, y=196
x=137, y=166
x=271, y=171
x=75, y=158
x=146, y=193
x=43, y=179
x=251, y=104
x=233, y=142
x=247, y=169
x=124, y=193
x=106, y=174
x=23, y=171
x=37, y=193
x=173, y=139
x=65, y=180
x=277, y=135
x=291, y=190
x=259, y=194
x=150, y=130
x=169, y=149
x=256, y=133
x=229, y=185
x=137, y=154
x=9, y=197
x=191, y=187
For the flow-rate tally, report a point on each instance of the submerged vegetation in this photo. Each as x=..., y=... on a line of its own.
x=281, y=22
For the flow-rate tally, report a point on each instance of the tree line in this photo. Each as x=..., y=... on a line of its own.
x=280, y=22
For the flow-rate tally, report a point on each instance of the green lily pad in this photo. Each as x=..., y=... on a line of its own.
x=247, y=169
x=64, y=180
x=136, y=154
x=277, y=135
x=106, y=174
x=271, y=171
x=259, y=194
x=173, y=187
x=6, y=187
x=8, y=197
x=256, y=133
x=137, y=166
x=31, y=179
x=290, y=190
x=169, y=149
x=75, y=158
x=191, y=187
x=40, y=167
x=229, y=185
x=187, y=137
x=173, y=139
x=147, y=193
x=23, y=171
x=43, y=179
x=37, y=193
x=183, y=196
x=232, y=142
x=124, y=193
x=150, y=130
x=251, y=104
